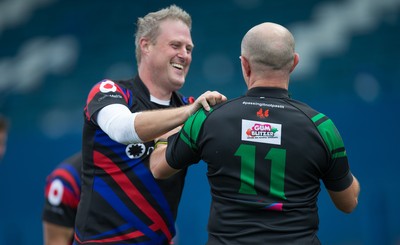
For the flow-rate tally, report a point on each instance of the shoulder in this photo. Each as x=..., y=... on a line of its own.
x=67, y=172
x=201, y=116
x=303, y=107
x=181, y=99
x=75, y=161
x=107, y=86
x=228, y=103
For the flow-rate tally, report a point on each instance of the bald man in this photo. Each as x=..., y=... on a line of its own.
x=266, y=153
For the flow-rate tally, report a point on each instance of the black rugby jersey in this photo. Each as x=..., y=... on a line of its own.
x=62, y=192
x=121, y=202
x=266, y=155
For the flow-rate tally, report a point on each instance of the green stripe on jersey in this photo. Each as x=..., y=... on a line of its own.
x=191, y=128
x=339, y=154
x=331, y=135
x=317, y=117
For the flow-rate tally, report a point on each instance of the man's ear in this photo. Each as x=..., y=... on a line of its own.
x=144, y=44
x=245, y=66
x=296, y=60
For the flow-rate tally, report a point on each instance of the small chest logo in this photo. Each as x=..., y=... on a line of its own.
x=263, y=114
x=134, y=151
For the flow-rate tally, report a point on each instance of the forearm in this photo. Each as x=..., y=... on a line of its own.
x=57, y=235
x=356, y=189
x=151, y=124
x=125, y=127
x=346, y=200
x=158, y=163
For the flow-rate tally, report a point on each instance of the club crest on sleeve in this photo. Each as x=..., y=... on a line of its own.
x=107, y=86
x=56, y=192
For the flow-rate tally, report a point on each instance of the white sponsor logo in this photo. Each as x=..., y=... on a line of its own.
x=56, y=192
x=262, y=132
x=107, y=86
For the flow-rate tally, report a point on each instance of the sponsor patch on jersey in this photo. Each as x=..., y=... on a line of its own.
x=56, y=192
x=107, y=86
x=262, y=132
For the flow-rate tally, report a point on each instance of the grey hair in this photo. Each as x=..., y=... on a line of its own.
x=149, y=25
x=269, y=45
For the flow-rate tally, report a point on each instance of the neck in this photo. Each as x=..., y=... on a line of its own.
x=269, y=78
x=155, y=88
x=284, y=84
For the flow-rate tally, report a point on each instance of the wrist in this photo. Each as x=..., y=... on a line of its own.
x=192, y=108
x=160, y=141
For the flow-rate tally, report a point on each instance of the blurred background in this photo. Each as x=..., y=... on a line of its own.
x=53, y=51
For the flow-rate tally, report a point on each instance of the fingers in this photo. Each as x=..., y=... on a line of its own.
x=211, y=98
x=206, y=100
x=205, y=105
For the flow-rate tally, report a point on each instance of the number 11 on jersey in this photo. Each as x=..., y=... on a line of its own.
x=277, y=157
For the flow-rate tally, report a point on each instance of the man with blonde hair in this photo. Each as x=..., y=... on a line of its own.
x=121, y=202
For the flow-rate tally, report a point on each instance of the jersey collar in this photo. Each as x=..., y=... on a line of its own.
x=268, y=92
x=145, y=93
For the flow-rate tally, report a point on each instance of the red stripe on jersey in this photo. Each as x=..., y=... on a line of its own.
x=64, y=174
x=119, y=89
x=123, y=237
x=131, y=191
x=93, y=92
x=69, y=199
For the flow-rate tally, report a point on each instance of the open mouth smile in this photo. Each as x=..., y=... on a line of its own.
x=177, y=66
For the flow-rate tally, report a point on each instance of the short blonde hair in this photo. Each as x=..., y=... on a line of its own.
x=149, y=25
